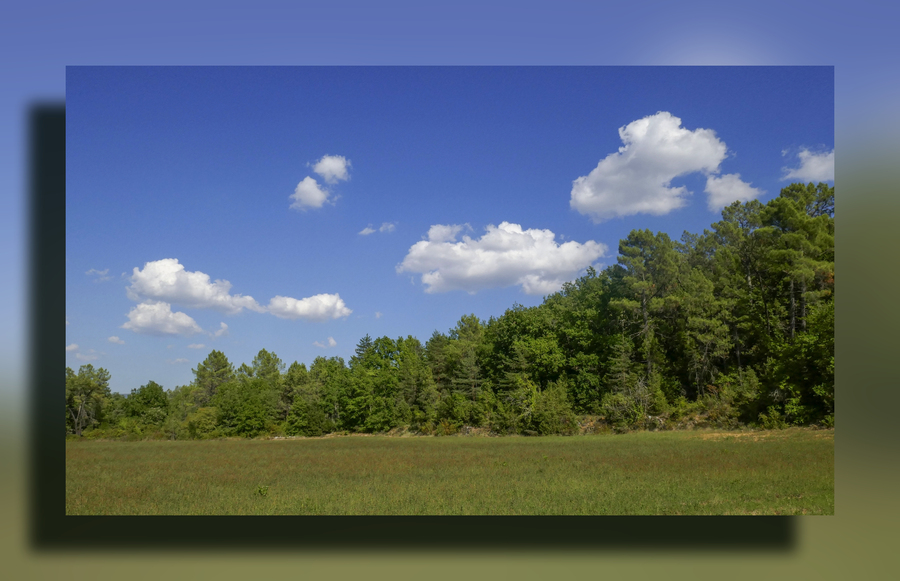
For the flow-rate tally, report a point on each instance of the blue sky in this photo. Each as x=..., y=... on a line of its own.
x=341, y=201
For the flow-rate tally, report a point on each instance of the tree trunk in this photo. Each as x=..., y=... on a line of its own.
x=762, y=295
x=646, y=333
x=803, y=305
x=793, y=310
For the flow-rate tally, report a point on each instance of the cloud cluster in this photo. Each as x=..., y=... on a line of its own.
x=331, y=343
x=814, y=167
x=385, y=227
x=116, y=340
x=309, y=194
x=315, y=308
x=157, y=318
x=724, y=190
x=333, y=168
x=165, y=282
x=72, y=347
x=637, y=178
x=506, y=255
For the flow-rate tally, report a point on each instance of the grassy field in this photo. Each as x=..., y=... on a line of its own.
x=700, y=472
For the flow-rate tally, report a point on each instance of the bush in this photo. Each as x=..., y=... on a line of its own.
x=553, y=413
x=202, y=423
x=772, y=419
x=307, y=418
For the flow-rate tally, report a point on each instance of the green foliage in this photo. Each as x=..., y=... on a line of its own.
x=553, y=413
x=246, y=407
x=731, y=326
x=87, y=393
x=307, y=418
x=209, y=375
x=149, y=404
x=203, y=423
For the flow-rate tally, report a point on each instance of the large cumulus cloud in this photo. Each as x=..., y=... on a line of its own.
x=506, y=255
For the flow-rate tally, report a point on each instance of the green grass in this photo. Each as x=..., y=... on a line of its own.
x=701, y=472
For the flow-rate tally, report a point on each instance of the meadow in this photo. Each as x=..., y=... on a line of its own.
x=784, y=472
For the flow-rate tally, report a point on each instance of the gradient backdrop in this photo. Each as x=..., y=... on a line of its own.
x=39, y=40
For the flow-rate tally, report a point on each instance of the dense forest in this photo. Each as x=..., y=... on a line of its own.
x=732, y=327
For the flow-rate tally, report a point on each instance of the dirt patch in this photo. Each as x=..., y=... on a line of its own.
x=755, y=436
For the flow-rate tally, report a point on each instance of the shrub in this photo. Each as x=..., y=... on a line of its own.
x=552, y=412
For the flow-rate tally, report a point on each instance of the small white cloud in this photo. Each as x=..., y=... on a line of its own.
x=378, y=314
x=385, y=227
x=91, y=355
x=72, y=347
x=223, y=330
x=179, y=361
x=101, y=275
x=637, y=178
x=116, y=340
x=167, y=280
x=308, y=194
x=333, y=168
x=814, y=167
x=67, y=321
x=331, y=343
x=315, y=308
x=724, y=190
x=505, y=256
x=196, y=346
x=157, y=318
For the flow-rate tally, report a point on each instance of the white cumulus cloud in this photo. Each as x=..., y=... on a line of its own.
x=814, y=167
x=91, y=355
x=157, y=318
x=333, y=168
x=368, y=230
x=637, y=178
x=116, y=340
x=196, y=346
x=728, y=188
x=331, y=343
x=72, y=347
x=223, y=330
x=167, y=280
x=315, y=308
x=308, y=194
x=504, y=256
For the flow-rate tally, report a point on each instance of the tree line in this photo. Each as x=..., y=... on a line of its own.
x=731, y=327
